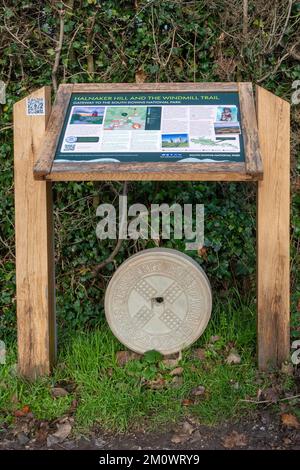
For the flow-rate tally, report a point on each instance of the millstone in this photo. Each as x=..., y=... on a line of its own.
x=158, y=299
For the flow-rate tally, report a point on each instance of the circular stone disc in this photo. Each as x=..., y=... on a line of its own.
x=158, y=299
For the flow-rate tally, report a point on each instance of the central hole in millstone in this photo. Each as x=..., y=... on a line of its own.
x=158, y=300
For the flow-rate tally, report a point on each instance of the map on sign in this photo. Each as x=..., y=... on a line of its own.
x=152, y=127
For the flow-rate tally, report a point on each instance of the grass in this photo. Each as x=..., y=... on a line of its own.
x=116, y=398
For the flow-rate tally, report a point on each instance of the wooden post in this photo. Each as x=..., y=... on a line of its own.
x=273, y=211
x=34, y=243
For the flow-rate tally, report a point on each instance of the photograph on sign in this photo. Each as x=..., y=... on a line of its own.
x=145, y=127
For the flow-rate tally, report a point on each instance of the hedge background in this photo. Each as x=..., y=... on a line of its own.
x=51, y=42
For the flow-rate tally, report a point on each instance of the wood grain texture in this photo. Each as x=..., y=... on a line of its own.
x=47, y=150
x=71, y=171
x=153, y=87
x=34, y=245
x=273, y=237
x=249, y=130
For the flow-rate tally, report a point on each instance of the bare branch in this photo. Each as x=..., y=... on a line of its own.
x=116, y=250
x=286, y=22
x=245, y=19
x=290, y=53
x=171, y=49
x=58, y=49
x=259, y=402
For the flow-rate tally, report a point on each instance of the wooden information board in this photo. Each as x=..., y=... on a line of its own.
x=152, y=131
x=167, y=131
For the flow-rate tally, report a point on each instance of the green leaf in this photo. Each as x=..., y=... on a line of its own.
x=152, y=357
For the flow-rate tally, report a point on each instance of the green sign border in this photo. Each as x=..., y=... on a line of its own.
x=159, y=98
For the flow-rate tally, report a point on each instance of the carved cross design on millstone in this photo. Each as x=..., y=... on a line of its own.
x=160, y=304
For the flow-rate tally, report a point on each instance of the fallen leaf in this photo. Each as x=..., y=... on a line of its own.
x=22, y=426
x=270, y=394
x=187, y=428
x=199, y=353
x=176, y=381
x=177, y=371
x=283, y=407
x=23, y=412
x=140, y=76
x=233, y=357
x=42, y=434
x=58, y=392
x=73, y=406
x=198, y=391
x=123, y=357
x=202, y=252
x=170, y=362
x=14, y=398
x=187, y=402
x=214, y=339
x=63, y=431
x=230, y=345
x=100, y=443
x=179, y=438
x=290, y=421
x=234, y=440
x=156, y=384
x=52, y=440
x=68, y=385
x=22, y=438
x=177, y=356
x=196, y=437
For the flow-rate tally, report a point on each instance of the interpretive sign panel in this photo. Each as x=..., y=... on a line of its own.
x=150, y=127
x=151, y=131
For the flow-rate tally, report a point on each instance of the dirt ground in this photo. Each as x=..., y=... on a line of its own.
x=263, y=431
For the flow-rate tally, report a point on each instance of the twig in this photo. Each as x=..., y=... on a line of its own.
x=273, y=71
x=154, y=38
x=295, y=55
x=245, y=19
x=9, y=248
x=90, y=37
x=172, y=47
x=270, y=401
x=268, y=45
x=286, y=22
x=58, y=49
x=19, y=40
x=10, y=70
x=6, y=127
x=290, y=53
x=194, y=56
x=119, y=243
x=69, y=49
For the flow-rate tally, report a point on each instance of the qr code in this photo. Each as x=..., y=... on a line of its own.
x=35, y=106
x=69, y=147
